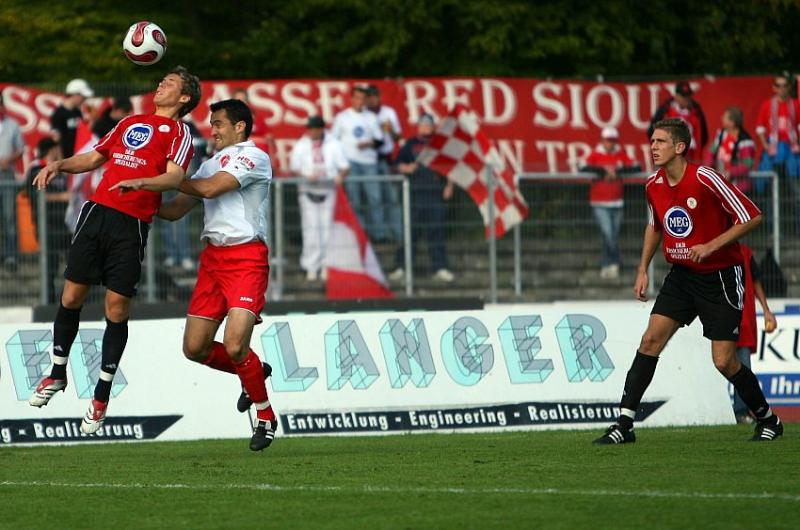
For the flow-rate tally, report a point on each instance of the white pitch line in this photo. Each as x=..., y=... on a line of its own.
x=389, y=489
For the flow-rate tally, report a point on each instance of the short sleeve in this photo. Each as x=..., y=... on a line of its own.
x=181, y=149
x=248, y=167
x=406, y=155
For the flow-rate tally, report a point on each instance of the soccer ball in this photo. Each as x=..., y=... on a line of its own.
x=145, y=43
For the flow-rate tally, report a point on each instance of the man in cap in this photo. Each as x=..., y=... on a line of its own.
x=608, y=161
x=320, y=159
x=65, y=119
x=683, y=105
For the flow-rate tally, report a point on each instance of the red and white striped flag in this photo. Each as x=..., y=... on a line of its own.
x=353, y=269
x=461, y=150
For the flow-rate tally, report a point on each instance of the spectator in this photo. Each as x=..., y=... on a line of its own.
x=609, y=162
x=361, y=135
x=261, y=134
x=57, y=198
x=11, y=148
x=65, y=119
x=175, y=235
x=683, y=105
x=429, y=191
x=777, y=129
x=748, y=336
x=120, y=107
x=390, y=124
x=733, y=150
x=319, y=158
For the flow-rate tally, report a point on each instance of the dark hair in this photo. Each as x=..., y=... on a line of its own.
x=358, y=88
x=44, y=146
x=190, y=86
x=678, y=130
x=123, y=104
x=737, y=116
x=236, y=110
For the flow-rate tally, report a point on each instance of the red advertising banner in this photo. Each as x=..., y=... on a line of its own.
x=537, y=124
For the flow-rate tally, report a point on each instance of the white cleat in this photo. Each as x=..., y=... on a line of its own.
x=45, y=390
x=94, y=417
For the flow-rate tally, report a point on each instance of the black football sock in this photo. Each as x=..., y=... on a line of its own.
x=65, y=329
x=746, y=384
x=636, y=382
x=114, y=340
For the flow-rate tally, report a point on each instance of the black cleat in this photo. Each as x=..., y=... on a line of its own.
x=244, y=401
x=263, y=434
x=767, y=431
x=616, y=435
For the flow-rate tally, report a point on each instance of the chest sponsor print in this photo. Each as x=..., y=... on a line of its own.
x=677, y=222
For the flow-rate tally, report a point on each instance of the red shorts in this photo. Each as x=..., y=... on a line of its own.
x=235, y=276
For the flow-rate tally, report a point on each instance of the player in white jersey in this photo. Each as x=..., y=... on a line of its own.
x=234, y=266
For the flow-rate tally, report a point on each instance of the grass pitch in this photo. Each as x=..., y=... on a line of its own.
x=671, y=478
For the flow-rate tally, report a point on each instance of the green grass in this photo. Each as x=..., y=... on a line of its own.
x=671, y=478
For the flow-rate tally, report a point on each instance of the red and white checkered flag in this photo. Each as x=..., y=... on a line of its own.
x=461, y=150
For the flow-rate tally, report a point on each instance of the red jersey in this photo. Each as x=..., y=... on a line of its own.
x=139, y=147
x=604, y=192
x=693, y=212
x=784, y=120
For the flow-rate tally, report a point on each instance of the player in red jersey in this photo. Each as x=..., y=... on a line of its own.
x=700, y=216
x=111, y=233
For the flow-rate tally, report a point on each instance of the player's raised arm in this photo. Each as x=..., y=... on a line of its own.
x=214, y=186
x=169, y=180
x=74, y=164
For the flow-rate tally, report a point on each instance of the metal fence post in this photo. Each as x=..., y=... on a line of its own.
x=776, y=219
x=150, y=263
x=492, y=236
x=41, y=220
x=517, y=251
x=279, y=257
x=409, y=266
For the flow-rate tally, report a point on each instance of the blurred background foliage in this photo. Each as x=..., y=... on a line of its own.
x=48, y=43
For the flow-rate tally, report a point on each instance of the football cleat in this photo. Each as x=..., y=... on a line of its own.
x=766, y=431
x=263, y=434
x=616, y=435
x=44, y=392
x=244, y=401
x=94, y=417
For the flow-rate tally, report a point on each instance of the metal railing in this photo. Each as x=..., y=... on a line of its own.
x=559, y=228
x=773, y=227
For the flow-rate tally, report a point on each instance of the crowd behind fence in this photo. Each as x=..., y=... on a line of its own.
x=551, y=255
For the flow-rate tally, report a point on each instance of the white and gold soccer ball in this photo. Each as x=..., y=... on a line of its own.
x=145, y=43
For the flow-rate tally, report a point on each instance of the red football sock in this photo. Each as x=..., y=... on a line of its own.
x=251, y=374
x=220, y=360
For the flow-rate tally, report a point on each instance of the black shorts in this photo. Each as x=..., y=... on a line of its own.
x=107, y=248
x=716, y=297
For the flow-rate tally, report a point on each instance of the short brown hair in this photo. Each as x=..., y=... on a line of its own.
x=190, y=86
x=678, y=130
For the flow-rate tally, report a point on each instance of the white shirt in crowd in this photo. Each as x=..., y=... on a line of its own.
x=352, y=127
x=240, y=215
x=385, y=114
x=322, y=159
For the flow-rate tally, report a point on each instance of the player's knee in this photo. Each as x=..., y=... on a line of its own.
x=727, y=366
x=194, y=351
x=236, y=348
x=652, y=343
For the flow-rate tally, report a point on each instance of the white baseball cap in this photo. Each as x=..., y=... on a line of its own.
x=79, y=86
x=609, y=133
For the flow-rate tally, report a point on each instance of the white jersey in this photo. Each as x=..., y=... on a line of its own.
x=388, y=114
x=322, y=160
x=351, y=128
x=240, y=215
